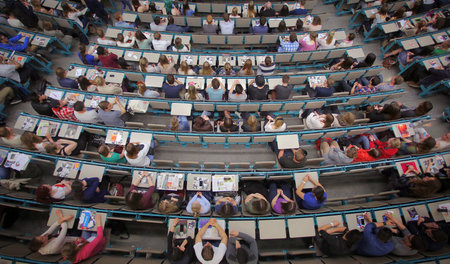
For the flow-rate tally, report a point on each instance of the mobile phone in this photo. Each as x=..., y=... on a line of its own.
x=360, y=221
x=413, y=214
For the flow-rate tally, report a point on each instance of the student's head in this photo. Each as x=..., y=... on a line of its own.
x=375, y=80
x=118, y=16
x=209, y=19
x=192, y=93
x=319, y=193
x=260, y=81
x=133, y=199
x=103, y=150
x=330, y=82
x=352, y=237
x=51, y=148
x=196, y=208
x=83, y=82
x=427, y=144
x=47, y=25
x=299, y=155
x=316, y=21
x=5, y=132
x=329, y=119
x=170, y=79
x=226, y=17
x=174, y=123
x=351, y=152
x=226, y=210
x=228, y=68
x=383, y=11
x=101, y=51
x=100, y=33
x=120, y=37
x=384, y=234
x=163, y=60
x=293, y=37
x=423, y=108
x=262, y=21
x=252, y=121
x=99, y=81
x=170, y=20
x=206, y=69
x=346, y=119
x=370, y=59
x=278, y=122
x=395, y=143
x=351, y=36
x=299, y=24
x=259, y=205
x=157, y=20
x=267, y=61
x=70, y=250
x=215, y=84
x=282, y=27
x=168, y=206
x=417, y=242
x=143, y=63
x=437, y=235
x=29, y=140
x=66, y=8
x=140, y=36
x=37, y=242
x=228, y=123
x=105, y=105
x=375, y=153
x=288, y=207
x=247, y=68
x=439, y=23
x=397, y=80
x=78, y=106
x=4, y=38
x=241, y=255
x=238, y=89
x=207, y=252
x=157, y=36
x=234, y=11
x=43, y=194
x=347, y=63
x=178, y=43
x=77, y=188
x=399, y=13
x=284, y=11
x=184, y=67
x=60, y=73
x=313, y=36
x=392, y=110
x=132, y=150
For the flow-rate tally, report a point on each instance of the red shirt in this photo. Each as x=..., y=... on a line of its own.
x=109, y=61
x=386, y=152
x=363, y=155
x=93, y=248
x=65, y=113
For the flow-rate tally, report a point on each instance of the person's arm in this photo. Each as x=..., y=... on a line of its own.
x=299, y=191
x=316, y=183
x=15, y=38
x=91, y=188
x=201, y=232
x=72, y=145
x=274, y=200
x=222, y=233
x=122, y=108
x=206, y=205
x=231, y=247
x=189, y=205
x=250, y=241
x=280, y=154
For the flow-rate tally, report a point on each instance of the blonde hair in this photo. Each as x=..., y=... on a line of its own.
x=163, y=60
x=253, y=123
x=330, y=37
x=143, y=63
x=174, y=123
x=184, y=68
x=278, y=122
x=227, y=68
x=248, y=67
x=196, y=207
x=206, y=69
x=168, y=207
x=192, y=92
x=99, y=81
x=141, y=88
x=234, y=11
x=251, y=12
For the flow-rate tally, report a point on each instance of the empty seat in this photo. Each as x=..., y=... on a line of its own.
x=214, y=165
x=162, y=163
x=189, y=164
x=239, y=165
x=164, y=137
x=264, y=164
x=134, y=124
x=156, y=126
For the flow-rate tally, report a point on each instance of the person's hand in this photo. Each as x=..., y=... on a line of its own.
x=367, y=216
x=212, y=221
x=97, y=190
x=371, y=138
x=234, y=233
x=176, y=221
x=268, y=117
x=199, y=193
x=235, y=82
x=205, y=117
x=116, y=100
x=68, y=218
x=335, y=223
x=306, y=178
x=279, y=191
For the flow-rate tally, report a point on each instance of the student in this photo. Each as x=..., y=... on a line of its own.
x=325, y=89
x=207, y=253
x=227, y=70
x=171, y=27
x=137, y=154
x=138, y=7
x=311, y=200
x=199, y=203
x=237, y=92
x=275, y=124
x=139, y=198
x=107, y=59
x=348, y=42
x=215, y=90
x=289, y=45
x=385, y=87
x=234, y=13
x=315, y=25
x=434, y=237
x=112, y=117
x=266, y=68
x=87, y=190
x=62, y=111
x=258, y=89
x=421, y=186
x=282, y=91
x=316, y=121
x=86, y=56
x=185, y=69
x=85, y=116
x=210, y=27
x=292, y=158
x=50, y=31
x=166, y=65
x=48, y=243
x=227, y=25
x=332, y=153
x=227, y=124
x=422, y=109
x=142, y=41
x=376, y=240
x=41, y=104
x=171, y=202
x=251, y=124
x=309, y=44
x=328, y=42
x=403, y=241
x=226, y=204
x=371, y=87
x=51, y=193
x=267, y=10
x=207, y=69
x=102, y=40
x=82, y=249
x=202, y=124
x=111, y=88
x=158, y=25
x=335, y=240
x=121, y=23
x=257, y=200
x=11, y=44
x=246, y=70
x=300, y=10
x=147, y=93
x=261, y=28
x=366, y=155
x=126, y=42
x=179, y=250
x=171, y=89
x=193, y=94
x=280, y=197
x=109, y=155
x=63, y=81
x=10, y=138
x=238, y=252
x=178, y=46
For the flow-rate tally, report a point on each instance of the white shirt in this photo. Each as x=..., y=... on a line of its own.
x=324, y=45
x=9, y=71
x=126, y=44
x=14, y=22
x=141, y=160
x=268, y=127
x=219, y=252
x=345, y=43
x=160, y=45
x=154, y=27
x=106, y=42
x=226, y=28
x=74, y=16
x=90, y=116
x=313, y=121
x=60, y=192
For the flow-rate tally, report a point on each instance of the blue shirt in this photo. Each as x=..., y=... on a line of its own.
x=68, y=83
x=215, y=94
x=124, y=24
x=298, y=12
x=90, y=194
x=287, y=46
x=111, y=118
x=89, y=59
x=12, y=45
x=310, y=202
x=260, y=29
x=175, y=28
x=172, y=91
x=370, y=245
x=183, y=124
x=190, y=12
x=324, y=91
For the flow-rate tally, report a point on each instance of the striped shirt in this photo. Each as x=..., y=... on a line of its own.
x=266, y=70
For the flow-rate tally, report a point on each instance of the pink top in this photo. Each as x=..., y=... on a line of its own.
x=93, y=248
x=306, y=47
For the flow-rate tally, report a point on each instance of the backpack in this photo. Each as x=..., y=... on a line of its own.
x=118, y=228
x=116, y=189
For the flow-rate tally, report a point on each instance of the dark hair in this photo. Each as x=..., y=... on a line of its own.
x=177, y=254
x=207, y=253
x=132, y=200
x=417, y=242
x=140, y=36
x=293, y=37
x=103, y=105
x=170, y=20
x=34, y=97
x=439, y=23
x=43, y=194
x=284, y=11
x=241, y=255
x=132, y=150
x=329, y=119
x=103, y=150
x=392, y=111
x=83, y=53
x=282, y=27
x=35, y=244
x=375, y=80
x=226, y=210
x=319, y=193
x=157, y=20
x=215, y=83
x=370, y=59
x=83, y=82
x=299, y=24
x=170, y=79
x=262, y=21
x=238, y=89
x=423, y=108
x=101, y=51
x=316, y=21
x=260, y=206
x=78, y=106
x=348, y=62
x=152, y=7
x=77, y=188
x=288, y=207
x=426, y=145
x=384, y=234
x=439, y=235
x=423, y=188
x=375, y=153
x=120, y=37
x=383, y=10
x=351, y=36
x=352, y=237
x=228, y=123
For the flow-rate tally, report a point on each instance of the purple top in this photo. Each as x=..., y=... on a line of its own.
x=146, y=201
x=277, y=206
x=306, y=47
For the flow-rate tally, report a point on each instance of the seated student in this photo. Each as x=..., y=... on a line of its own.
x=226, y=203
x=33, y=142
x=158, y=43
x=328, y=42
x=308, y=44
x=247, y=69
x=48, y=243
x=50, y=31
x=112, y=117
x=142, y=41
x=62, y=111
x=260, y=28
x=215, y=90
x=387, y=149
x=179, y=250
x=315, y=25
x=10, y=138
x=144, y=66
x=207, y=253
x=282, y=91
x=202, y=124
x=227, y=70
x=171, y=202
x=348, y=42
x=266, y=68
x=82, y=249
x=111, y=88
x=433, y=235
x=403, y=241
x=289, y=44
x=344, y=119
x=137, y=154
x=409, y=147
x=366, y=155
x=138, y=6
x=376, y=240
x=227, y=25
x=87, y=190
x=267, y=10
x=299, y=9
x=108, y=59
x=102, y=40
x=179, y=123
x=158, y=24
x=185, y=69
x=395, y=80
x=52, y=193
x=237, y=92
x=275, y=124
x=171, y=27
x=332, y=153
x=210, y=27
x=63, y=147
x=11, y=44
x=251, y=124
x=14, y=22
x=423, y=185
x=141, y=198
x=121, y=23
x=289, y=158
x=258, y=89
x=257, y=200
x=334, y=240
x=280, y=197
x=85, y=116
x=311, y=200
x=234, y=13
x=237, y=252
x=63, y=80
x=127, y=41
x=387, y=112
x=316, y=121
x=110, y=155
x=178, y=46
x=85, y=84
x=422, y=109
x=199, y=203
x=368, y=61
x=325, y=89
x=207, y=69
x=371, y=87
x=172, y=90
x=192, y=93
x=227, y=124
x=41, y=104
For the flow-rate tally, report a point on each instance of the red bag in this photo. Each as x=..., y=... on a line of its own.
x=117, y=189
